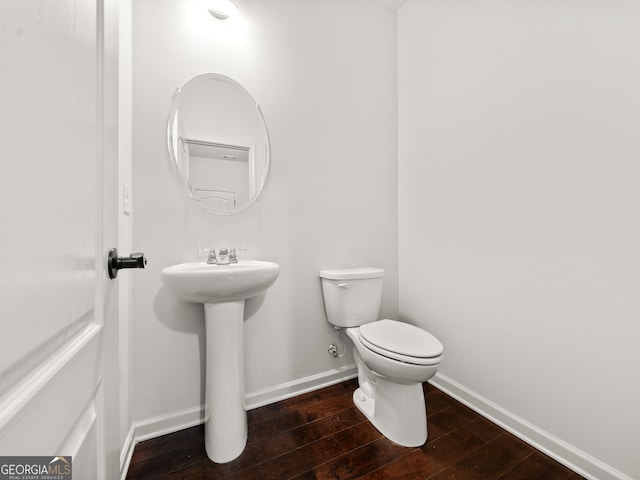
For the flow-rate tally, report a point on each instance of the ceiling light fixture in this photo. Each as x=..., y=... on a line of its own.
x=222, y=9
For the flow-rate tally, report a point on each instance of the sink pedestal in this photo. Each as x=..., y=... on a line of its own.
x=222, y=289
x=225, y=427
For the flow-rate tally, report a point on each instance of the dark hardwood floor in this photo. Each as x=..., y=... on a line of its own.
x=321, y=435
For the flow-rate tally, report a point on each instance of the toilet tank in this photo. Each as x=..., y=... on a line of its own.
x=352, y=296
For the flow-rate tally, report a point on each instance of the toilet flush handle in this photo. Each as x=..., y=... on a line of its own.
x=345, y=285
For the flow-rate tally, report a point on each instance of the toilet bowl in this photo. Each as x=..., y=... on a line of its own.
x=393, y=358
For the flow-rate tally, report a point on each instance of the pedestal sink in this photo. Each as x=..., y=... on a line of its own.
x=222, y=289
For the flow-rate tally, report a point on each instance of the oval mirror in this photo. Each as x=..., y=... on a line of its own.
x=218, y=144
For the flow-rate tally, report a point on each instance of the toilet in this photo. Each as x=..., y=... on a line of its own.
x=393, y=358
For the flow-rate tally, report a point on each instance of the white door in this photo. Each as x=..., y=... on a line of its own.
x=58, y=325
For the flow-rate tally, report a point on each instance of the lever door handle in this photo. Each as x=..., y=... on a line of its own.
x=115, y=263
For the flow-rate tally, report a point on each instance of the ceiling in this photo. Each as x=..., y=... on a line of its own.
x=395, y=4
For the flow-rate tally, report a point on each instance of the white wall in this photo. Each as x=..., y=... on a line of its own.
x=519, y=206
x=324, y=74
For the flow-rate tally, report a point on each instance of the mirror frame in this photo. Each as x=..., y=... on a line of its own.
x=181, y=183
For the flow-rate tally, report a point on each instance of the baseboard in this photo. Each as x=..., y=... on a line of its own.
x=127, y=452
x=169, y=423
x=568, y=455
x=298, y=387
x=190, y=417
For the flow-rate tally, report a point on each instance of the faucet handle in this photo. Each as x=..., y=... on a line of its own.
x=233, y=255
x=211, y=254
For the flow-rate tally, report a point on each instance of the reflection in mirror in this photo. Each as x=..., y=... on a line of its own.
x=218, y=144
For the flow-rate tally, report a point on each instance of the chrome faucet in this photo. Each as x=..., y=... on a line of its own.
x=223, y=257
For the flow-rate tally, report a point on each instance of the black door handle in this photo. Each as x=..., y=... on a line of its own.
x=115, y=263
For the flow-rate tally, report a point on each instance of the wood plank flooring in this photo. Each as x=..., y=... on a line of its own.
x=321, y=435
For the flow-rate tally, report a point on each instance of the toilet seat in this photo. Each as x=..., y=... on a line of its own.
x=401, y=341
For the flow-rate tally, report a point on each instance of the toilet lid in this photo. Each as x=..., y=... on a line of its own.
x=401, y=338
x=352, y=273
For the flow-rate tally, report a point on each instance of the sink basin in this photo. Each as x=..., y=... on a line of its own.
x=222, y=289
x=199, y=282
